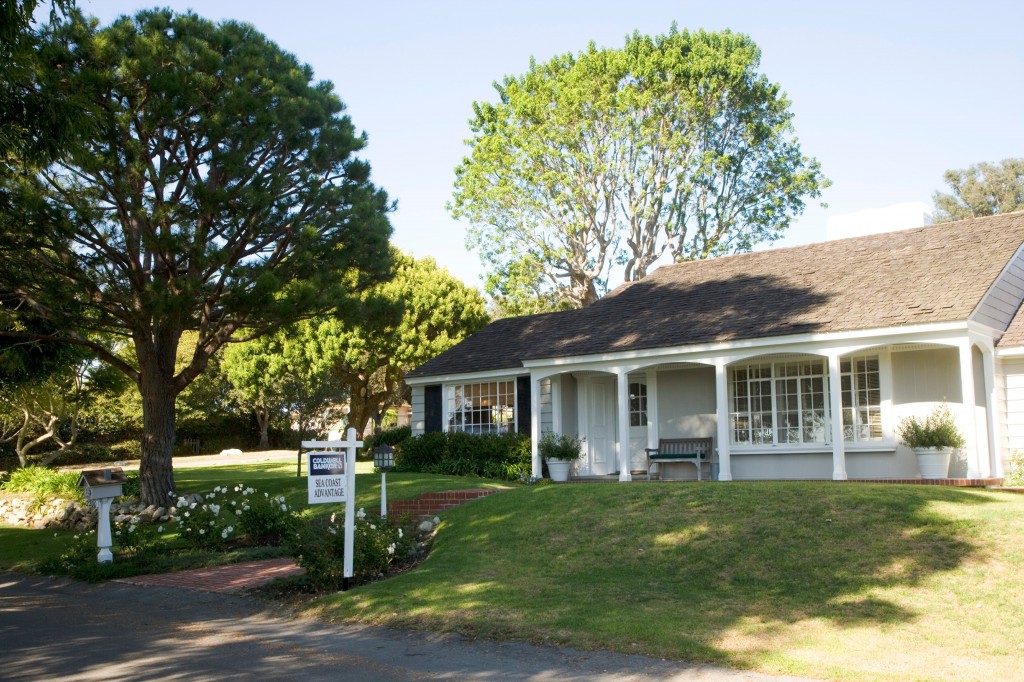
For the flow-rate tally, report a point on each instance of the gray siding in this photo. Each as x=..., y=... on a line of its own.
x=1000, y=303
x=417, y=411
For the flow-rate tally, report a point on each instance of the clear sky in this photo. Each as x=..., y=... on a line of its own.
x=886, y=95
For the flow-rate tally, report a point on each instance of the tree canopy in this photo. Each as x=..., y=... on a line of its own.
x=980, y=190
x=608, y=158
x=217, y=190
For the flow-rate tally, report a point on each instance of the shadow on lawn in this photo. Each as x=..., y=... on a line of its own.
x=682, y=568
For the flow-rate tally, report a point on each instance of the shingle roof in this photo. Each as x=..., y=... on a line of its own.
x=925, y=275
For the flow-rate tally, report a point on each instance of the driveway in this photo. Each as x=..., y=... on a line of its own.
x=59, y=629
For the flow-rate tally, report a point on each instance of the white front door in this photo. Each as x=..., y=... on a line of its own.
x=600, y=426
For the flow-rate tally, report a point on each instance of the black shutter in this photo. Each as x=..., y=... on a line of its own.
x=432, y=408
x=523, y=403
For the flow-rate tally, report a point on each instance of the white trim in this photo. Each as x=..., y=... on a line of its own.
x=1011, y=352
x=469, y=377
x=945, y=333
x=835, y=399
x=966, y=355
x=722, y=415
x=536, y=465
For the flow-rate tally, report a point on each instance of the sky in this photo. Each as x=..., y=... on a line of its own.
x=886, y=95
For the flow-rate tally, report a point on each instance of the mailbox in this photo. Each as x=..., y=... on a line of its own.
x=101, y=484
x=100, y=487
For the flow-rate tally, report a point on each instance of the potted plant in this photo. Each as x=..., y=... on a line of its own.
x=933, y=440
x=560, y=451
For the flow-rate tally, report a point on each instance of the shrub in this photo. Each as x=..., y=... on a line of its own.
x=319, y=547
x=937, y=430
x=1015, y=471
x=504, y=456
x=395, y=437
x=230, y=515
x=43, y=483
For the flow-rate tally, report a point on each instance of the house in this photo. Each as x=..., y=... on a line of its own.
x=799, y=363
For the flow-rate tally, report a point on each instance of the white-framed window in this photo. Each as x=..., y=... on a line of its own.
x=487, y=407
x=775, y=403
x=862, y=398
x=637, y=404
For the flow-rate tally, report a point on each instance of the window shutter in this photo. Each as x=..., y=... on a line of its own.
x=524, y=417
x=432, y=409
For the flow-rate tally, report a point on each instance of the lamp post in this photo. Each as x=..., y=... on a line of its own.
x=383, y=459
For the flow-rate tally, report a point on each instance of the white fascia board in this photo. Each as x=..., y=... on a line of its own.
x=467, y=378
x=795, y=343
x=1012, y=352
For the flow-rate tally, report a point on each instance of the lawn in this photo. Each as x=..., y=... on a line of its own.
x=832, y=581
x=853, y=582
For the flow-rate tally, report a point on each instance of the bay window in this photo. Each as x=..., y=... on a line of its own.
x=487, y=407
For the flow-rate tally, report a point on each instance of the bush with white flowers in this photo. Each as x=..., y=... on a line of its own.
x=237, y=514
x=319, y=547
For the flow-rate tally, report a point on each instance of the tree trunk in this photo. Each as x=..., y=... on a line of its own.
x=156, y=473
x=263, y=420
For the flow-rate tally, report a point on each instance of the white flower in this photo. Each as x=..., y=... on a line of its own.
x=159, y=529
x=192, y=506
x=182, y=502
x=202, y=531
x=284, y=507
x=399, y=533
x=211, y=523
x=131, y=528
x=361, y=514
x=332, y=517
x=224, y=534
x=186, y=514
x=230, y=529
x=391, y=548
x=373, y=527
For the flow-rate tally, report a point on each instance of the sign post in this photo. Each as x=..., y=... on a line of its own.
x=332, y=478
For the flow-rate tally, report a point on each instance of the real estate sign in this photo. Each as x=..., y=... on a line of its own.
x=327, y=477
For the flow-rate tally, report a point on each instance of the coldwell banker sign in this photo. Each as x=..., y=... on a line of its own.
x=327, y=479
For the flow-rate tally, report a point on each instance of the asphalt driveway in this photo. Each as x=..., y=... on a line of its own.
x=59, y=629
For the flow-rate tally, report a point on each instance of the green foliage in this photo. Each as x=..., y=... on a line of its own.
x=43, y=483
x=395, y=437
x=613, y=157
x=241, y=513
x=937, y=430
x=319, y=547
x=241, y=203
x=1014, y=475
x=505, y=456
x=980, y=190
x=560, y=446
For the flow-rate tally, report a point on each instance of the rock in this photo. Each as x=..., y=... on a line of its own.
x=426, y=527
x=159, y=513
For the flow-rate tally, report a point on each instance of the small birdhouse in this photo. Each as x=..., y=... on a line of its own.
x=102, y=484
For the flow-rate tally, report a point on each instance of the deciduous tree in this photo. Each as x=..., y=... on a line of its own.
x=218, y=191
x=674, y=144
x=983, y=189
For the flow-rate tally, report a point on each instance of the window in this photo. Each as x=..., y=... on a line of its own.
x=782, y=402
x=482, y=408
x=862, y=399
x=638, y=404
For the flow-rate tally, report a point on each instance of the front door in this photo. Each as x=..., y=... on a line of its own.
x=600, y=426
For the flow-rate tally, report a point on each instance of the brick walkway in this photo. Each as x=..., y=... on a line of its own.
x=223, y=579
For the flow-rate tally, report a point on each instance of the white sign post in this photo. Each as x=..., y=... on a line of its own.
x=332, y=478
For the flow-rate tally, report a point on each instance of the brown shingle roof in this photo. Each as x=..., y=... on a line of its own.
x=925, y=275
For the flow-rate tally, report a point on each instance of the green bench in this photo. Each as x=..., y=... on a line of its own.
x=696, y=451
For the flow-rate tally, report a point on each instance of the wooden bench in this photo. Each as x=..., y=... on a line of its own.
x=696, y=451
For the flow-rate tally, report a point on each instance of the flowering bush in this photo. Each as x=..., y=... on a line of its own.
x=226, y=515
x=319, y=547
x=133, y=537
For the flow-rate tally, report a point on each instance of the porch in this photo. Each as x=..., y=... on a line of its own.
x=770, y=414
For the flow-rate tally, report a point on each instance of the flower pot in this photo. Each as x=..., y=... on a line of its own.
x=559, y=469
x=933, y=462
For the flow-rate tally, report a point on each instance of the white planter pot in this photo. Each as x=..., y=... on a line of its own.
x=933, y=462
x=559, y=469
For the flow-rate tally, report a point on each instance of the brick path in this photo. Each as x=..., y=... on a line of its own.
x=223, y=579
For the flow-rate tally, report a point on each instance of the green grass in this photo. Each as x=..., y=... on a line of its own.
x=832, y=581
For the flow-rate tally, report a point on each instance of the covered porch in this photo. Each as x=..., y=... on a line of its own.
x=769, y=410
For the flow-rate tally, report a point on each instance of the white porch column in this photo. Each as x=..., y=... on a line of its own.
x=722, y=410
x=970, y=408
x=537, y=465
x=556, y=403
x=835, y=404
x=995, y=441
x=652, y=409
x=622, y=425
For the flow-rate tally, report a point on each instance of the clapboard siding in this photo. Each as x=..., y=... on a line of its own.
x=1000, y=303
